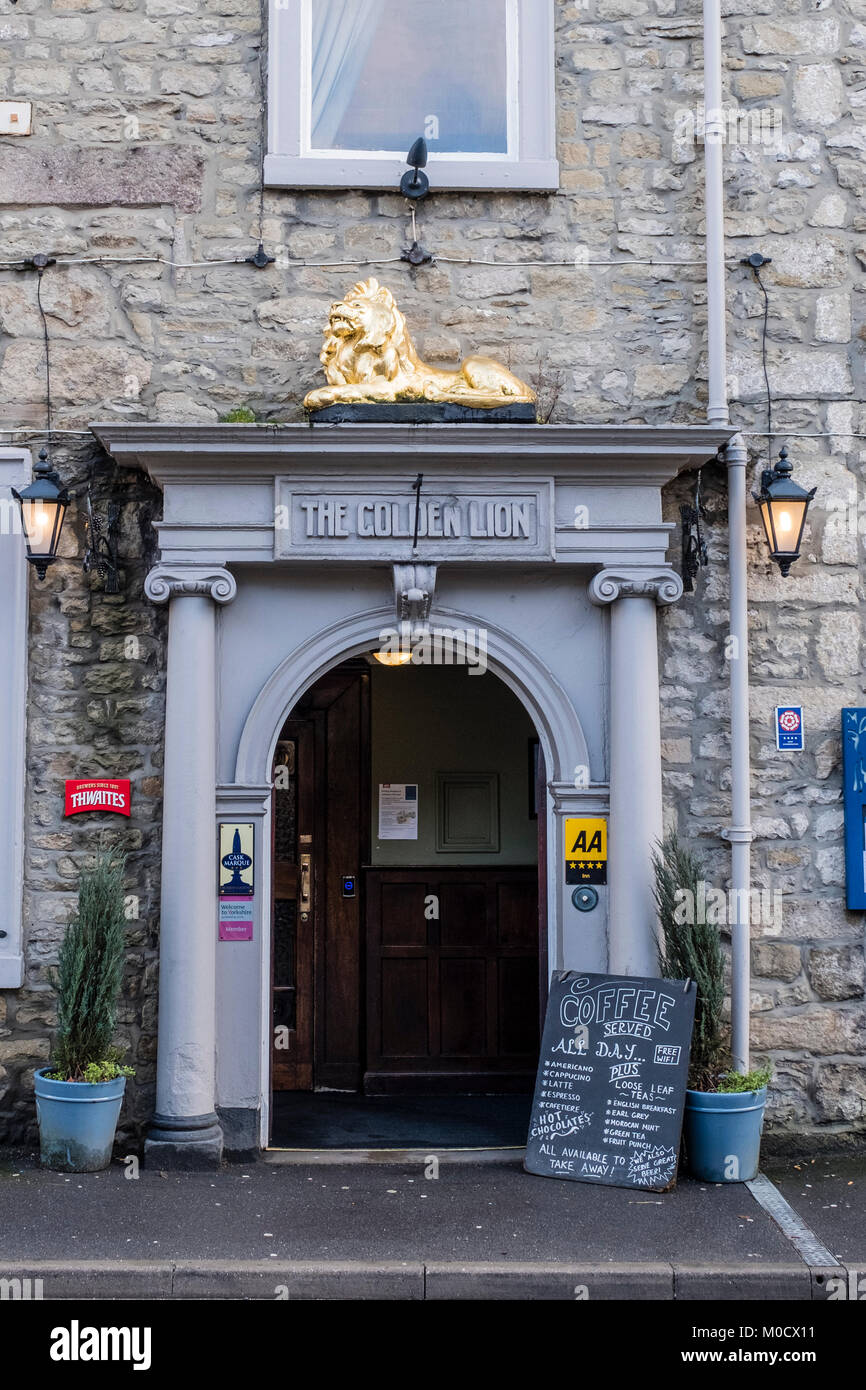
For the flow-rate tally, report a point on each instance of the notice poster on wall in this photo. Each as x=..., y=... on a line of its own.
x=398, y=810
x=612, y=1072
x=236, y=881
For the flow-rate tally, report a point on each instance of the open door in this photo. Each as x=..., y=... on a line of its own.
x=407, y=967
x=320, y=822
x=539, y=774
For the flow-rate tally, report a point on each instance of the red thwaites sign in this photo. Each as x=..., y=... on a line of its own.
x=97, y=795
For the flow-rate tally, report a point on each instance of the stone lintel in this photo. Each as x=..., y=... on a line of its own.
x=138, y=176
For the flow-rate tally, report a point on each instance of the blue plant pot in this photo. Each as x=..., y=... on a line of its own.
x=77, y=1122
x=722, y=1131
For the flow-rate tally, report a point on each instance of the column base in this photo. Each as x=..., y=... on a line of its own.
x=179, y=1142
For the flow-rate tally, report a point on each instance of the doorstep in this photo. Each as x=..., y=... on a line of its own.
x=400, y=1157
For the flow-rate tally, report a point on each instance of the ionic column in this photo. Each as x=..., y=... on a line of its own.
x=635, y=760
x=185, y=1131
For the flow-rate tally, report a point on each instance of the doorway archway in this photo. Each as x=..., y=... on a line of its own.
x=550, y=719
x=408, y=952
x=522, y=670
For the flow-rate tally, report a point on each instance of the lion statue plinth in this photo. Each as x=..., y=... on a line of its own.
x=369, y=356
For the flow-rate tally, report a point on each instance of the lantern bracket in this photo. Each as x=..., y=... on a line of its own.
x=694, y=547
x=101, y=551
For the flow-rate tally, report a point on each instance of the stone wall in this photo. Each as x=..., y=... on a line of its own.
x=147, y=127
x=95, y=709
x=808, y=1014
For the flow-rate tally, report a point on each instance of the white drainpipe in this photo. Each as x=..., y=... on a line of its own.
x=714, y=135
x=739, y=833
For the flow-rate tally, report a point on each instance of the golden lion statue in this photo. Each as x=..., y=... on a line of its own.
x=369, y=356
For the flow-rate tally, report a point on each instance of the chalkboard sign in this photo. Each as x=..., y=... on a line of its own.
x=608, y=1104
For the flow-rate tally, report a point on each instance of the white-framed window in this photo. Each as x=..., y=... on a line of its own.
x=352, y=83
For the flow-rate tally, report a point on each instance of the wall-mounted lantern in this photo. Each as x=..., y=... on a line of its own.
x=43, y=510
x=783, y=506
x=43, y=507
x=45, y=501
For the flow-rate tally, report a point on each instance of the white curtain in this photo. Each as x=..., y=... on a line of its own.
x=342, y=33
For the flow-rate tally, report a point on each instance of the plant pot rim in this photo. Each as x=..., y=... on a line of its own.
x=731, y=1095
x=113, y=1087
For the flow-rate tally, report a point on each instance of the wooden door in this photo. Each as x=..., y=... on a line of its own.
x=294, y=906
x=320, y=820
x=452, y=979
x=540, y=801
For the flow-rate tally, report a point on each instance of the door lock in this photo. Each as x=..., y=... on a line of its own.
x=306, y=897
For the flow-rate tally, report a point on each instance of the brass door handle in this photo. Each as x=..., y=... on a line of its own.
x=306, y=897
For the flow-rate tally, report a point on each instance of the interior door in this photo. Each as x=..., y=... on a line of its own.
x=452, y=979
x=294, y=906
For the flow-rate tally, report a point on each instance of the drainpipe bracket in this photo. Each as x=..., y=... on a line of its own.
x=738, y=834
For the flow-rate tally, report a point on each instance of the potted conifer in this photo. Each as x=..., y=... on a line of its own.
x=724, y=1109
x=78, y=1097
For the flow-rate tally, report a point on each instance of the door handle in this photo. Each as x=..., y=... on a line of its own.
x=306, y=897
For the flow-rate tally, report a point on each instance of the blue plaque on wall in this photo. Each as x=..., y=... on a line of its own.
x=854, y=798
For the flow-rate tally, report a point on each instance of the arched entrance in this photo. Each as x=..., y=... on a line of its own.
x=409, y=917
x=548, y=719
x=261, y=603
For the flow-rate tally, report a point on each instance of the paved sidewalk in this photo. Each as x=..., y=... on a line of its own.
x=366, y=1231
x=829, y=1194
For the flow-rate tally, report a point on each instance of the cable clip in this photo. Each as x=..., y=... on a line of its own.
x=415, y=254
x=261, y=260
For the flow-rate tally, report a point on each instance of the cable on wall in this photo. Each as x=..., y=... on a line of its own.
x=755, y=262
x=575, y=263
x=41, y=262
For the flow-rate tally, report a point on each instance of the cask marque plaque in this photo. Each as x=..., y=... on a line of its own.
x=612, y=1073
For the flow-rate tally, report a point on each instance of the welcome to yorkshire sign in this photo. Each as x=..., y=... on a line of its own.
x=374, y=519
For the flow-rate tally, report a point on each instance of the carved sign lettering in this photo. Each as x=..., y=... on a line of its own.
x=353, y=521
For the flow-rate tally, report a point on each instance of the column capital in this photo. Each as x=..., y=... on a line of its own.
x=662, y=584
x=190, y=581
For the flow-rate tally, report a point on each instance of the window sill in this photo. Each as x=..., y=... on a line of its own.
x=383, y=175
